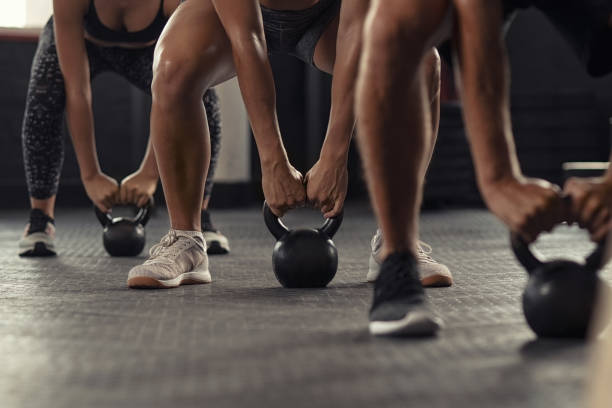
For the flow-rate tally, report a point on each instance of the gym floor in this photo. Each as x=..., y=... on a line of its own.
x=73, y=335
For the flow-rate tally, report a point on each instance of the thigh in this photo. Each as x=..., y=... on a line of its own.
x=195, y=47
x=344, y=32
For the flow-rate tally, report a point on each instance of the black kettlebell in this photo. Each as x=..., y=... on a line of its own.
x=303, y=258
x=124, y=236
x=560, y=296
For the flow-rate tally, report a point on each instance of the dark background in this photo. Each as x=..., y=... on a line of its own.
x=560, y=114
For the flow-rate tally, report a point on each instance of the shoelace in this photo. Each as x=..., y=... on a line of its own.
x=423, y=248
x=424, y=251
x=169, y=247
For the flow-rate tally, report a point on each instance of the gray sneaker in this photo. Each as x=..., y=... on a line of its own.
x=433, y=273
x=39, y=236
x=399, y=305
x=179, y=259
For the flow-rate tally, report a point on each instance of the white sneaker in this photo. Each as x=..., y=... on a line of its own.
x=433, y=273
x=216, y=242
x=179, y=259
x=38, y=237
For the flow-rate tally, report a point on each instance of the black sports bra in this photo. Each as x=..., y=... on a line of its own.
x=94, y=27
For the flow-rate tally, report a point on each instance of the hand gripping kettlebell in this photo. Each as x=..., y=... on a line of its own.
x=560, y=296
x=124, y=236
x=303, y=258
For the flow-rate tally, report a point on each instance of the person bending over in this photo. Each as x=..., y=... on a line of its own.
x=81, y=40
x=396, y=131
x=208, y=42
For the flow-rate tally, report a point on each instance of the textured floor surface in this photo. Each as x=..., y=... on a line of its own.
x=73, y=335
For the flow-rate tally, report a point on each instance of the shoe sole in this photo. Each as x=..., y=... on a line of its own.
x=187, y=278
x=431, y=281
x=415, y=324
x=216, y=248
x=38, y=250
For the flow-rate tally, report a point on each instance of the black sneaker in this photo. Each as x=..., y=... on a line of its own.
x=399, y=307
x=39, y=236
x=216, y=242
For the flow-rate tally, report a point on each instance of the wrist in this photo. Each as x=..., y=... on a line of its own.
x=490, y=181
x=148, y=172
x=336, y=153
x=272, y=156
x=90, y=174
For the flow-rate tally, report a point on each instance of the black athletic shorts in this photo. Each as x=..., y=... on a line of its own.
x=297, y=32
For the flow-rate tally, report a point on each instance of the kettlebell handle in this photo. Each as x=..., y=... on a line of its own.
x=531, y=261
x=332, y=225
x=142, y=216
x=104, y=218
x=278, y=229
x=144, y=213
x=274, y=224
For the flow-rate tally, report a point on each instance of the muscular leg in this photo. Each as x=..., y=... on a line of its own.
x=393, y=107
x=43, y=147
x=193, y=55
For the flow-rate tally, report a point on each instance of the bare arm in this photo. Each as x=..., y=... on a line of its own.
x=327, y=181
x=68, y=18
x=242, y=21
x=526, y=206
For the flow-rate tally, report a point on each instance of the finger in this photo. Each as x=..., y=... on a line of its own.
x=600, y=218
x=278, y=210
x=143, y=200
x=591, y=208
x=102, y=207
x=123, y=191
x=336, y=210
x=573, y=188
x=105, y=205
x=135, y=196
x=525, y=235
x=325, y=208
x=601, y=232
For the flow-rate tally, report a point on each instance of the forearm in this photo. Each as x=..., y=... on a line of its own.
x=80, y=123
x=346, y=68
x=257, y=87
x=342, y=116
x=149, y=163
x=485, y=89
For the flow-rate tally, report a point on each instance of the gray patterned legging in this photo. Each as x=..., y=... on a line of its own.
x=43, y=148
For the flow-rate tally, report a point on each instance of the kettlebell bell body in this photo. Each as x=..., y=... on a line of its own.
x=303, y=258
x=560, y=296
x=558, y=300
x=124, y=236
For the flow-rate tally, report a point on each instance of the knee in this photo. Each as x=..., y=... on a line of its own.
x=406, y=27
x=175, y=81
